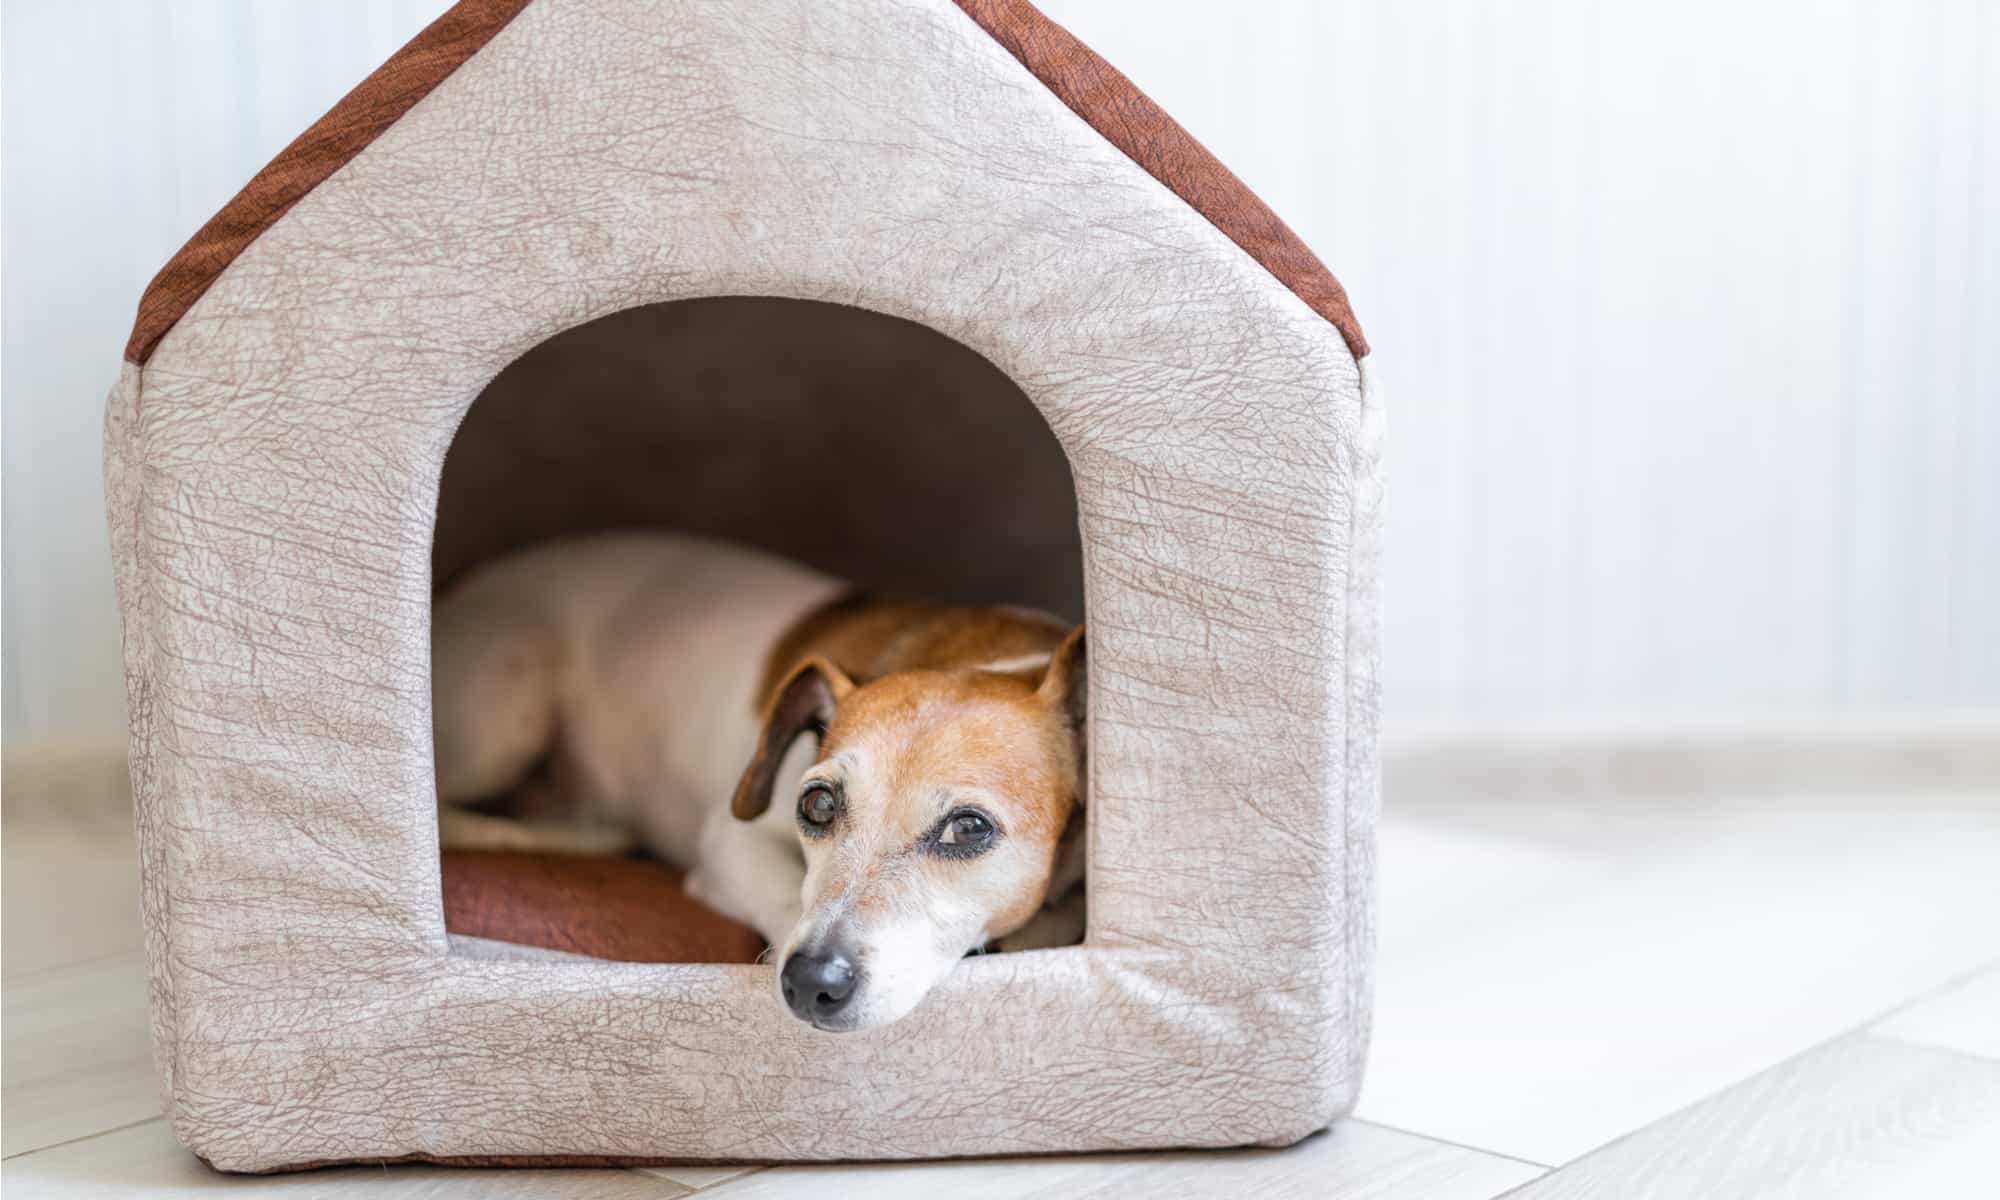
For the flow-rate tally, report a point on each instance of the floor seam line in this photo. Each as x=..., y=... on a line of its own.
x=1442, y=1141
x=84, y=1137
x=1854, y=1031
x=24, y=976
x=1952, y=984
x=1909, y=1043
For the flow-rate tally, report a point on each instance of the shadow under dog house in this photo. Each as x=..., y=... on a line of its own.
x=905, y=216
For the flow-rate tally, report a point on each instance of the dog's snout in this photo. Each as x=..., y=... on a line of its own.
x=818, y=985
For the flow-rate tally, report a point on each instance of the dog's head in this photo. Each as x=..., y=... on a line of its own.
x=931, y=822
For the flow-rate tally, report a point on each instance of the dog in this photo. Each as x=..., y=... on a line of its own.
x=658, y=690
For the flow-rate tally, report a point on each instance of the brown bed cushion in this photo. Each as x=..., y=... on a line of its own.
x=625, y=909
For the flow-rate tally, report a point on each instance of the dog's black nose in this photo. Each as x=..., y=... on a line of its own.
x=817, y=986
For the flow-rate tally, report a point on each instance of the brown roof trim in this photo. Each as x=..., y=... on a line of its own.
x=342, y=133
x=1091, y=87
x=1094, y=90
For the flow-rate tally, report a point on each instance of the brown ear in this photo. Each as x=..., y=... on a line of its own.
x=1067, y=683
x=805, y=700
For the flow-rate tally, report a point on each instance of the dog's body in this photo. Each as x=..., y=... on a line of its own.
x=628, y=667
x=637, y=674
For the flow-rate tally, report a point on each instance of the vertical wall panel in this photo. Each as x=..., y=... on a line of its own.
x=1684, y=315
x=126, y=124
x=1975, y=649
x=1681, y=312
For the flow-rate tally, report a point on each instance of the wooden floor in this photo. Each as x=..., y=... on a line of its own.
x=1693, y=995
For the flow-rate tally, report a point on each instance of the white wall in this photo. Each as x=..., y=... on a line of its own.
x=1681, y=310
x=126, y=124
x=1691, y=315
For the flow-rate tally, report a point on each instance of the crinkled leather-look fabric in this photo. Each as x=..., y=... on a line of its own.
x=317, y=153
x=1091, y=87
x=1097, y=92
x=818, y=396
x=273, y=477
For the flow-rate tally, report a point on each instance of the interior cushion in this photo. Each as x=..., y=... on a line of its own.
x=624, y=909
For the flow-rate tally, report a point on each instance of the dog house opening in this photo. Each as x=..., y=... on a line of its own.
x=640, y=522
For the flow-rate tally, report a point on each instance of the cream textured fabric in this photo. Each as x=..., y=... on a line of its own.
x=273, y=476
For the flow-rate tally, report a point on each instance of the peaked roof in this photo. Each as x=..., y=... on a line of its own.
x=1088, y=85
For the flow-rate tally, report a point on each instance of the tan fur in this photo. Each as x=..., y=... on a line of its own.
x=938, y=736
x=914, y=729
x=871, y=636
x=624, y=674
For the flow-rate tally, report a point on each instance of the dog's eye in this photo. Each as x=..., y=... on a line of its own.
x=819, y=804
x=965, y=832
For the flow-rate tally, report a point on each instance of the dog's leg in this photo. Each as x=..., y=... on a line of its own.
x=463, y=829
x=493, y=717
x=751, y=873
x=493, y=702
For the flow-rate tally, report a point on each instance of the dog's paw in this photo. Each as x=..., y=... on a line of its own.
x=463, y=829
x=698, y=888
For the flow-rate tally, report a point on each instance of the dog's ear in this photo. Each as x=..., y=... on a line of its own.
x=805, y=700
x=1066, y=685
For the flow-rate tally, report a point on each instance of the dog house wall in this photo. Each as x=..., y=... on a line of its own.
x=274, y=454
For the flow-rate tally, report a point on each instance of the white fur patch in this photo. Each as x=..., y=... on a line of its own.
x=1017, y=664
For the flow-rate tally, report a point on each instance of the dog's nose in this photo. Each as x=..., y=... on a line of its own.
x=817, y=986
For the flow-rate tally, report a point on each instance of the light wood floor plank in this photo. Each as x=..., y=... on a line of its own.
x=69, y=896
x=697, y=1178
x=1354, y=1161
x=78, y=1055
x=145, y=1163
x=1556, y=973
x=1965, y=1017
x=1554, y=976
x=1864, y=1117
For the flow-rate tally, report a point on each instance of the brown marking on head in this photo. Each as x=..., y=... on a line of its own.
x=915, y=765
x=869, y=636
x=922, y=744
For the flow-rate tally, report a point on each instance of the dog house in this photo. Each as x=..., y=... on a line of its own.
x=917, y=290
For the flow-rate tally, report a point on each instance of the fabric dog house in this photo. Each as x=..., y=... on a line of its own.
x=879, y=222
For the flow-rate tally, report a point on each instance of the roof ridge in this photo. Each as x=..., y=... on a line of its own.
x=1129, y=119
x=327, y=145
x=1090, y=87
